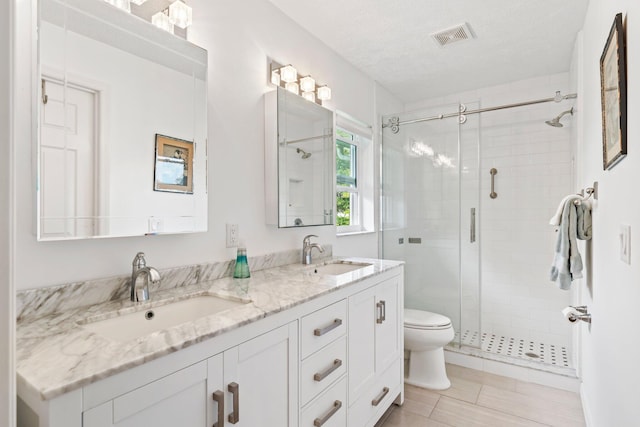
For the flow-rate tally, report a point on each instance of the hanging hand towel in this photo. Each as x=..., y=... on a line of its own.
x=575, y=222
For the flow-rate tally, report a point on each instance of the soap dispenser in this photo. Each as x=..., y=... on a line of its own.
x=241, y=270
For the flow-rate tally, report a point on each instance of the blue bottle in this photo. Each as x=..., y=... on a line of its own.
x=241, y=270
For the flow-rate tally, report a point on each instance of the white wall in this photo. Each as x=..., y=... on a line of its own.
x=239, y=36
x=612, y=290
x=7, y=314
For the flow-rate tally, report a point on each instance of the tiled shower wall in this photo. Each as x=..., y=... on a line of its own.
x=535, y=170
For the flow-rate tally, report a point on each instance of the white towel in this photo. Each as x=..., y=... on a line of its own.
x=555, y=219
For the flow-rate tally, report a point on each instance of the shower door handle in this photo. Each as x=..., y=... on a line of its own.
x=472, y=228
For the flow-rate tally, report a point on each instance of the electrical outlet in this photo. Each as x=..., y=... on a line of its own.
x=232, y=235
x=625, y=243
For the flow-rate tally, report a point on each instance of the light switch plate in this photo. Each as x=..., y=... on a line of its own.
x=625, y=243
x=232, y=235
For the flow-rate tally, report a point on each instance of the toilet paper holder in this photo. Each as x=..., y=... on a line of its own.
x=584, y=315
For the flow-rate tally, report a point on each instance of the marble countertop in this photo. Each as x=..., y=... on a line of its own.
x=56, y=354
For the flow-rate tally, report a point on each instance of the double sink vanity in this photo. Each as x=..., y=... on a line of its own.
x=295, y=345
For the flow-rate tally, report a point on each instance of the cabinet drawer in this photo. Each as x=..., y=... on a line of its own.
x=322, y=368
x=330, y=407
x=322, y=327
x=361, y=412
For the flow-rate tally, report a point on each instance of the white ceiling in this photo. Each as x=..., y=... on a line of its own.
x=390, y=40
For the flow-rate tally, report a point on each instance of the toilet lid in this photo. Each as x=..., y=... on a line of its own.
x=421, y=319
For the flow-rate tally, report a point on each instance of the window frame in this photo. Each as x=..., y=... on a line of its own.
x=356, y=207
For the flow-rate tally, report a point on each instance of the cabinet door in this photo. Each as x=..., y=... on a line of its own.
x=178, y=399
x=260, y=378
x=388, y=337
x=362, y=324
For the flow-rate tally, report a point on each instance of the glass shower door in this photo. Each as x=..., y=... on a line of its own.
x=429, y=199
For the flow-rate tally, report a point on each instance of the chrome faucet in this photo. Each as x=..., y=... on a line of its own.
x=149, y=273
x=306, y=248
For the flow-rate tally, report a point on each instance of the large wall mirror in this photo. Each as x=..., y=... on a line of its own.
x=299, y=161
x=122, y=125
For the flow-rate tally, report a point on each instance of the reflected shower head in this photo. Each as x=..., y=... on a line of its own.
x=555, y=122
x=305, y=155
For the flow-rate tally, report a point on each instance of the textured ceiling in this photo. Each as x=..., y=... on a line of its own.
x=390, y=40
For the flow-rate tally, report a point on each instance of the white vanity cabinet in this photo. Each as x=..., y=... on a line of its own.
x=375, y=350
x=333, y=361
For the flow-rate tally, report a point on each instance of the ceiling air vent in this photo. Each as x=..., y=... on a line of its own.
x=452, y=35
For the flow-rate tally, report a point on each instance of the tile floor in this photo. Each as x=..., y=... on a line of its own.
x=479, y=399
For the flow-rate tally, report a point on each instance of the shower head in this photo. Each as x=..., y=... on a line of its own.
x=305, y=155
x=555, y=122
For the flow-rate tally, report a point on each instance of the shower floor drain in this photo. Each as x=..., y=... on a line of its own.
x=549, y=354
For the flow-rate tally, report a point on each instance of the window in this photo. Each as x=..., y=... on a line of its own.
x=347, y=200
x=354, y=177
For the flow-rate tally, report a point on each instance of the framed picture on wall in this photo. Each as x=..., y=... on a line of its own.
x=174, y=165
x=613, y=90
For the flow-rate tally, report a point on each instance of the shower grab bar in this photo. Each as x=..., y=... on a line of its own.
x=493, y=173
x=472, y=236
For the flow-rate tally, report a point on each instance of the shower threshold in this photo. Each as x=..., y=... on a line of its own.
x=520, y=352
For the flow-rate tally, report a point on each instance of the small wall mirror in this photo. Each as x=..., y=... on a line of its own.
x=300, y=177
x=122, y=125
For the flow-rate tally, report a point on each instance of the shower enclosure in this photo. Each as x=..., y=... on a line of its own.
x=482, y=261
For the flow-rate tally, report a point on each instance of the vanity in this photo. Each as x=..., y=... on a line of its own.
x=295, y=345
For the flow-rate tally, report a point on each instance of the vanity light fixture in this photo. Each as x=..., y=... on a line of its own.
x=307, y=84
x=287, y=77
x=121, y=4
x=162, y=20
x=309, y=96
x=324, y=93
x=180, y=14
x=275, y=77
x=289, y=74
x=292, y=87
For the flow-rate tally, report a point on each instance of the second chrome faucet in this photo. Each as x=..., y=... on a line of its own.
x=307, y=246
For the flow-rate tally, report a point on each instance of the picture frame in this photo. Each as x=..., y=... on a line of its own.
x=173, y=171
x=613, y=92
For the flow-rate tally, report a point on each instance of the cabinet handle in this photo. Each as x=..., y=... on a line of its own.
x=382, y=313
x=320, y=332
x=318, y=422
x=234, y=416
x=320, y=376
x=218, y=397
x=377, y=400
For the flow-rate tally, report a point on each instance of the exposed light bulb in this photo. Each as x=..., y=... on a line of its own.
x=275, y=77
x=309, y=96
x=292, y=87
x=121, y=4
x=180, y=14
x=307, y=84
x=161, y=20
x=288, y=74
x=324, y=93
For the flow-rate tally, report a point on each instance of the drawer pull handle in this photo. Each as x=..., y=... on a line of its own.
x=377, y=400
x=318, y=422
x=320, y=376
x=234, y=416
x=382, y=311
x=320, y=332
x=218, y=397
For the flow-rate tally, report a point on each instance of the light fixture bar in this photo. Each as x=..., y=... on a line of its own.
x=288, y=78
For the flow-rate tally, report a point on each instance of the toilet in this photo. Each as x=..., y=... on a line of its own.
x=425, y=335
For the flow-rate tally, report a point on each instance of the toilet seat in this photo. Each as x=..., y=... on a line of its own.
x=419, y=319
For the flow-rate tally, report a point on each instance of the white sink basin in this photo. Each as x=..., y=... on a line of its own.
x=126, y=327
x=339, y=267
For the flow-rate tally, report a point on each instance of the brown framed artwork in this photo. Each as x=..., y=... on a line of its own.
x=613, y=90
x=173, y=170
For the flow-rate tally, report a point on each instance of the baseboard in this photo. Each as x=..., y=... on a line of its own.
x=586, y=407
